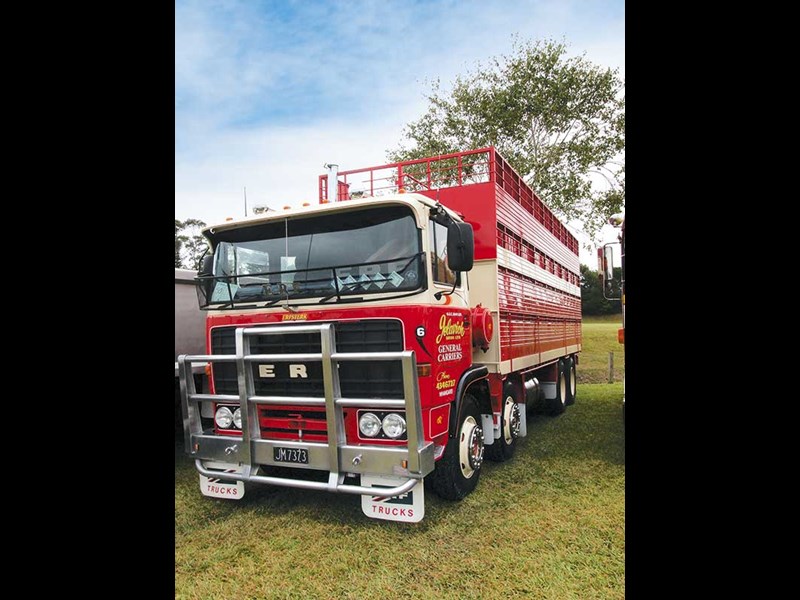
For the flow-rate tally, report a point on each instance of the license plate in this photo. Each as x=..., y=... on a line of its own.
x=290, y=455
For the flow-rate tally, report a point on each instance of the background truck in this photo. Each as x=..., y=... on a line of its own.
x=388, y=338
x=190, y=330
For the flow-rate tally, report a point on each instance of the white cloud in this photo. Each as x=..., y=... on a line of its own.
x=266, y=93
x=278, y=165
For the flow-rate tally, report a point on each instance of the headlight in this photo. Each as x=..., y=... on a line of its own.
x=224, y=417
x=369, y=425
x=237, y=418
x=394, y=425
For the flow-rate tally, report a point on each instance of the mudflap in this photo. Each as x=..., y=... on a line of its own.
x=217, y=488
x=408, y=507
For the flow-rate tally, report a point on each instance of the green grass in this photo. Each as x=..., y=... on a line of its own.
x=600, y=338
x=547, y=524
x=614, y=318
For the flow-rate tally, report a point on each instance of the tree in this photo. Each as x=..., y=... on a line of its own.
x=190, y=245
x=178, y=244
x=559, y=121
x=592, y=300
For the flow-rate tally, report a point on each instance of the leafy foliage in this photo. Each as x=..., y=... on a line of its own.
x=559, y=121
x=592, y=300
x=190, y=245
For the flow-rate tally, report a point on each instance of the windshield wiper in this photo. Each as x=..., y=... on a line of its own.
x=281, y=288
x=338, y=292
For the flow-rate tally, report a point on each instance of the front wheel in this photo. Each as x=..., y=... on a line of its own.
x=457, y=472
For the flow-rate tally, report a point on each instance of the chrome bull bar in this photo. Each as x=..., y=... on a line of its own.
x=411, y=462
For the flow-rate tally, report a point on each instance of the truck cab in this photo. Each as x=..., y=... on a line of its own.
x=357, y=330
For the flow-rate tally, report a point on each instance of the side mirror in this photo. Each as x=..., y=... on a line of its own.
x=460, y=246
x=207, y=266
x=608, y=263
x=205, y=284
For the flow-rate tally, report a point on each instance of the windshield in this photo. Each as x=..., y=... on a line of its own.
x=368, y=251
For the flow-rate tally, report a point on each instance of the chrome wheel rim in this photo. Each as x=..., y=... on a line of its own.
x=511, y=420
x=470, y=447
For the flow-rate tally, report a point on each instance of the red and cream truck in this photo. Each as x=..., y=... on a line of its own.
x=388, y=338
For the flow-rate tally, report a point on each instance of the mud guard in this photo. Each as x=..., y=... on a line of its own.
x=469, y=377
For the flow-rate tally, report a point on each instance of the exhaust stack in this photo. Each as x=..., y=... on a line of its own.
x=333, y=182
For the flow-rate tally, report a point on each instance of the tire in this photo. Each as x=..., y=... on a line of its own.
x=457, y=473
x=559, y=403
x=572, y=381
x=503, y=449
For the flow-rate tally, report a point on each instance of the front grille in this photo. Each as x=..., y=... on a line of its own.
x=379, y=379
x=286, y=423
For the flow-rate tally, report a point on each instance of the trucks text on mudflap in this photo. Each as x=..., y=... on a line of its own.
x=391, y=336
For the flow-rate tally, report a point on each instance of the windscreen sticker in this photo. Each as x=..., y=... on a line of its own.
x=396, y=279
x=288, y=263
x=379, y=280
x=221, y=294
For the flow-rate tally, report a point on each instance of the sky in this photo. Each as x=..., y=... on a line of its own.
x=268, y=92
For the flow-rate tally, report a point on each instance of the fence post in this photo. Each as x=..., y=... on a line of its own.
x=610, y=367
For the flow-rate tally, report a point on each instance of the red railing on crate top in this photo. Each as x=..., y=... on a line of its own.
x=443, y=171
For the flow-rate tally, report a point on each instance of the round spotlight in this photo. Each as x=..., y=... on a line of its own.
x=394, y=425
x=224, y=417
x=369, y=425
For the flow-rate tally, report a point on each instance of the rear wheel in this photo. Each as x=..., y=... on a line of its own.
x=559, y=403
x=457, y=472
x=510, y=421
x=572, y=382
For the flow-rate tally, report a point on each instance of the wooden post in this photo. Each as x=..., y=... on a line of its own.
x=610, y=367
